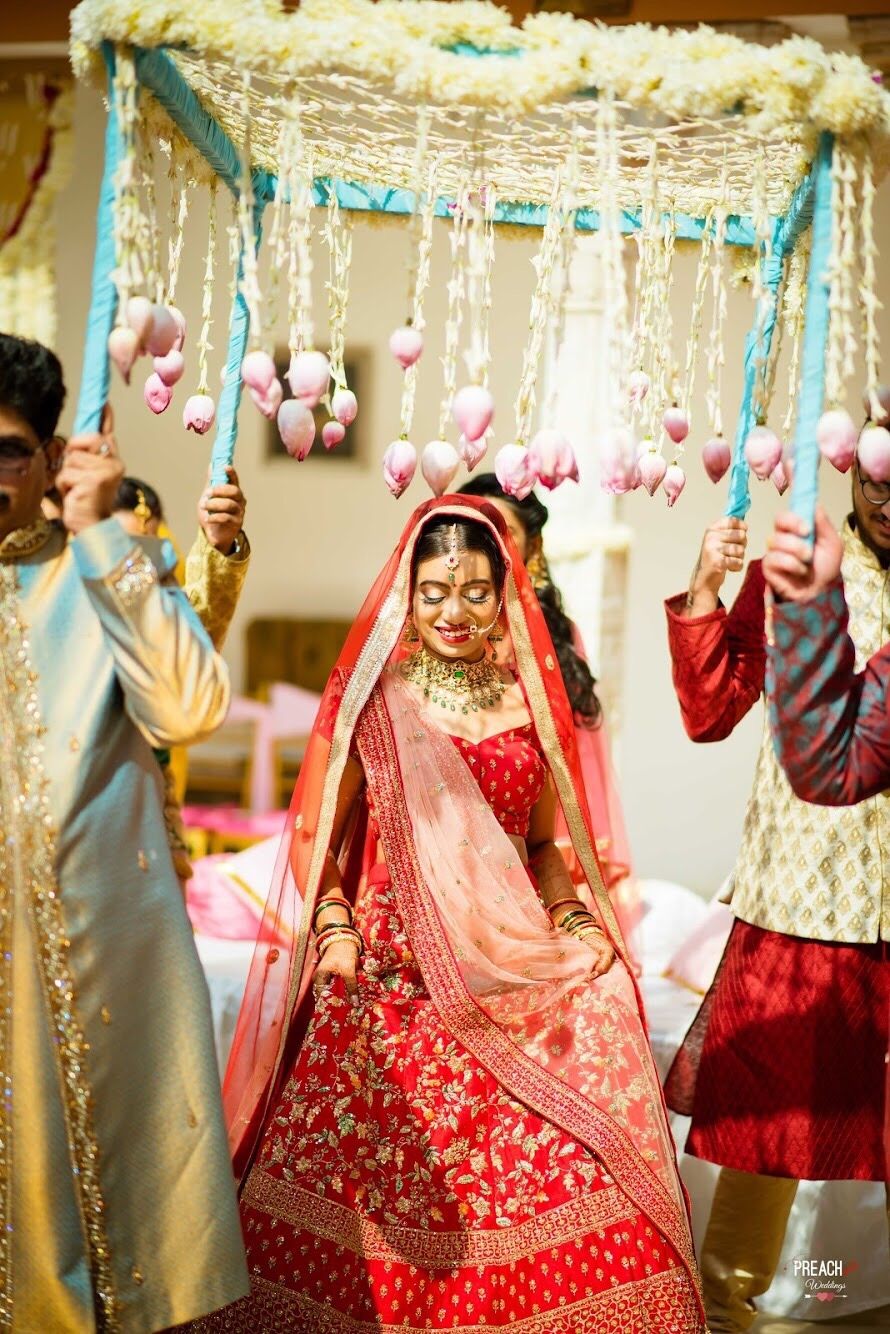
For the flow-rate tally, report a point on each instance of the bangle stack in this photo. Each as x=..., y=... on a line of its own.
x=329, y=934
x=578, y=921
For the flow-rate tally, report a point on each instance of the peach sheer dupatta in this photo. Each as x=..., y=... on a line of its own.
x=514, y=992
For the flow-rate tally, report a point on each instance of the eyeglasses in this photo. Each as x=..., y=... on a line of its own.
x=876, y=493
x=16, y=457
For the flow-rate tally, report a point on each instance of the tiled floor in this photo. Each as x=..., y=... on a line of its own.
x=864, y=1323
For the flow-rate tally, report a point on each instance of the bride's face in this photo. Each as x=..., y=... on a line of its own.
x=454, y=620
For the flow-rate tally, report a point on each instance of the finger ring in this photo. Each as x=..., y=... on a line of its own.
x=105, y=448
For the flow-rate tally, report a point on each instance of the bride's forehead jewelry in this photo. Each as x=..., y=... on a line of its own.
x=452, y=560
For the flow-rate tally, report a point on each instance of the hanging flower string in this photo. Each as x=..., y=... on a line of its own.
x=421, y=271
x=249, y=285
x=129, y=275
x=338, y=235
x=702, y=275
x=179, y=207
x=199, y=412
x=871, y=303
x=793, y=311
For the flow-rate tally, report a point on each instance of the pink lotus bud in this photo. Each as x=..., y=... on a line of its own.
x=873, y=452
x=473, y=409
x=877, y=404
x=780, y=478
x=258, y=371
x=123, y=348
x=163, y=332
x=199, y=413
x=399, y=464
x=637, y=387
x=676, y=424
x=552, y=458
x=652, y=470
x=617, y=460
x=179, y=321
x=308, y=376
x=513, y=469
x=332, y=434
x=171, y=367
x=157, y=394
x=674, y=481
x=269, y=402
x=836, y=434
x=471, y=451
x=406, y=345
x=296, y=426
x=344, y=406
x=716, y=458
x=139, y=318
x=763, y=449
x=438, y=463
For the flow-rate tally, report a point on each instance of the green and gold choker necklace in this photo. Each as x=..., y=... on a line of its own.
x=459, y=687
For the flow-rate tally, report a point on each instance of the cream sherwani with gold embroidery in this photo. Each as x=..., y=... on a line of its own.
x=117, y=1202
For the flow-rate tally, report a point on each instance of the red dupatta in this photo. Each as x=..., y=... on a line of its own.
x=513, y=991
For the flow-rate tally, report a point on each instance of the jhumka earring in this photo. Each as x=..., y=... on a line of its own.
x=494, y=638
x=141, y=510
x=409, y=634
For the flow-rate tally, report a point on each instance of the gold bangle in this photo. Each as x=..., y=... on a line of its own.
x=331, y=937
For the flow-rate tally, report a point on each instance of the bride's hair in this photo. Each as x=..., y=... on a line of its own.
x=435, y=540
x=577, y=677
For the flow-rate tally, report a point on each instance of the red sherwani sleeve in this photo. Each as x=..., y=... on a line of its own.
x=719, y=660
x=830, y=725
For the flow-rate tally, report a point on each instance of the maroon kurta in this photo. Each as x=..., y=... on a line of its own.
x=778, y=1069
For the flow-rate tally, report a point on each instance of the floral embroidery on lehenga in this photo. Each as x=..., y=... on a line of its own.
x=398, y=1186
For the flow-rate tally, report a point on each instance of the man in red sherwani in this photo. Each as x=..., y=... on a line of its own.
x=783, y=1070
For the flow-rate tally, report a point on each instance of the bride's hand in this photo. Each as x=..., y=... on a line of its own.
x=605, y=955
x=340, y=960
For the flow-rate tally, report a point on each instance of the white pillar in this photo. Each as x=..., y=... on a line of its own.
x=586, y=546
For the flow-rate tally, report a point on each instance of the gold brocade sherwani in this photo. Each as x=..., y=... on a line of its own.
x=213, y=584
x=814, y=871
x=116, y=1192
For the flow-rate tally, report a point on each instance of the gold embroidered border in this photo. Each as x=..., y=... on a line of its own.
x=513, y=1068
x=26, y=812
x=428, y=1248
x=661, y=1304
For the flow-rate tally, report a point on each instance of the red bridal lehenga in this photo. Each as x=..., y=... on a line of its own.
x=478, y=1142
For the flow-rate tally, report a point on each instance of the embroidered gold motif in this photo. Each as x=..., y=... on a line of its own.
x=26, y=541
x=133, y=577
x=663, y=1302
x=28, y=852
x=426, y=1247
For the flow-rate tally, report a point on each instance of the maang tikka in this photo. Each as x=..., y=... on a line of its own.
x=452, y=560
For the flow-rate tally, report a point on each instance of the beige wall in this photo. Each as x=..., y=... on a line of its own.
x=320, y=531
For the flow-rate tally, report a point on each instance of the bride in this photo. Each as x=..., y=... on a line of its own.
x=443, y=1108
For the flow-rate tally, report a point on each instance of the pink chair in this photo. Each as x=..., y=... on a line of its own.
x=289, y=716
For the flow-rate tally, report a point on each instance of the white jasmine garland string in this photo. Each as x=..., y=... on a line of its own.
x=179, y=207
x=559, y=288
x=128, y=274
x=834, y=387
x=871, y=304
x=793, y=313
x=302, y=326
x=475, y=272
x=849, y=177
x=702, y=275
x=415, y=225
x=277, y=243
x=542, y=263
x=421, y=270
x=649, y=242
x=153, y=276
x=664, y=378
x=233, y=237
x=716, y=351
x=204, y=343
x=456, y=293
x=485, y=313
x=250, y=288
x=338, y=235
x=619, y=346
